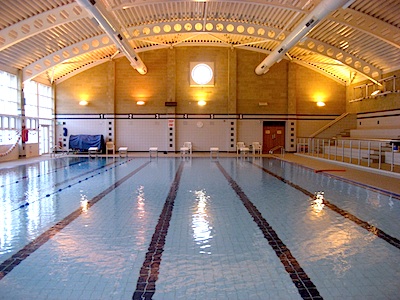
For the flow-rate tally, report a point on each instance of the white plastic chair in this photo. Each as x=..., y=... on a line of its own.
x=187, y=145
x=110, y=147
x=257, y=148
x=239, y=146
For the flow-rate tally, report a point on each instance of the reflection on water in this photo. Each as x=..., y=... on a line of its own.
x=140, y=200
x=200, y=224
x=140, y=214
x=84, y=201
x=318, y=203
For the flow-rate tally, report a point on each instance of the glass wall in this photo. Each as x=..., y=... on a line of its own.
x=39, y=105
x=8, y=108
x=39, y=112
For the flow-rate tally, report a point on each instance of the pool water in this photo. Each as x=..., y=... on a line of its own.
x=199, y=228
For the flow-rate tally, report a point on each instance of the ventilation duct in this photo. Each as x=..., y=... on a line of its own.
x=107, y=23
x=319, y=12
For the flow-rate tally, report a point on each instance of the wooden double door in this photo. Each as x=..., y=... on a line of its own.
x=273, y=135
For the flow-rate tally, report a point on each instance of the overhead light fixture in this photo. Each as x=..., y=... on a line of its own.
x=262, y=103
x=202, y=103
x=83, y=102
x=140, y=102
x=376, y=92
x=320, y=103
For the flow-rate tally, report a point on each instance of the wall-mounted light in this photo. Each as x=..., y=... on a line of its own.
x=201, y=102
x=262, y=103
x=140, y=102
x=320, y=103
x=83, y=102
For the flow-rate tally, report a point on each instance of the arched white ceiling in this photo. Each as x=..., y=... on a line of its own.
x=53, y=40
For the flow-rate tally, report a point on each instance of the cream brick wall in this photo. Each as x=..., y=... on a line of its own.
x=95, y=85
x=114, y=87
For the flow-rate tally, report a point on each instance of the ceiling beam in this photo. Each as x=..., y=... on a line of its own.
x=39, y=23
x=66, y=54
x=110, y=26
x=272, y=3
x=369, y=25
x=301, y=30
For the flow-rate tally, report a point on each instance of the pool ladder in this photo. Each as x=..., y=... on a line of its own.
x=272, y=150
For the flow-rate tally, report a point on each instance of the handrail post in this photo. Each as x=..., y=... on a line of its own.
x=351, y=153
x=329, y=149
x=336, y=149
x=342, y=150
x=311, y=150
x=380, y=155
x=369, y=153
x=392, y=162
x=359, y=152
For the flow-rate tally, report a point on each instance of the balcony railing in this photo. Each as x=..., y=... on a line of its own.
x=380, y=154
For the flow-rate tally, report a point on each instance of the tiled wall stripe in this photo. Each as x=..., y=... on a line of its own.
x=303, y=283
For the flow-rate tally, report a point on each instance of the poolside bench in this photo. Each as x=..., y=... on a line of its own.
x=214, y=150
x=153, y=150
x=123, y=151
x=93, y=150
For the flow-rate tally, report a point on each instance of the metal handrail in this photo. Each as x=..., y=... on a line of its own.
x=375, y=152
x=271, y=151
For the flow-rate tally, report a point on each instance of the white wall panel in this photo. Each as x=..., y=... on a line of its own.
x=250, y=131
x=141, y=134
x=203, y=133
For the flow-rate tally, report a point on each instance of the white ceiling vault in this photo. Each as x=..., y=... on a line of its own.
x=51, y=40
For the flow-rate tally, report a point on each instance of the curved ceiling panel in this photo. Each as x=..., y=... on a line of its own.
x=55, y=39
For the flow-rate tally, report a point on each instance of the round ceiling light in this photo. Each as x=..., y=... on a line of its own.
x=202, y=74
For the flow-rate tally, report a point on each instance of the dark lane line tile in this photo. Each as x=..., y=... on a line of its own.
x=371, y=228
x=23, y=203
x=146, y=283
x=8, y=265
x=303, y=283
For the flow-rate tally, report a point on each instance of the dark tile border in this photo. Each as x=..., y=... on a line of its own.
x=347, y=180
x=371, y=228
x=300, y=279
x=8, y=265
x=146, y=283
x=25, y=204
x=19, y=180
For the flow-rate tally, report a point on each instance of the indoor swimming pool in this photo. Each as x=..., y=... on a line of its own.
x=198, y=228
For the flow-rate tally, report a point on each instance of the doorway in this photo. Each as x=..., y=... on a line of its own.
x=273, y=135
x=44, y=142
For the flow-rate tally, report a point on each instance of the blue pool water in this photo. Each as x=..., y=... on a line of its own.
x=168, y=228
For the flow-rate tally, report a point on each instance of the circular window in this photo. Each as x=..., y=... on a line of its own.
x=202, y=74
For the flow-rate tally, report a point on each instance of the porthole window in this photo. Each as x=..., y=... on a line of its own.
x=202, y=74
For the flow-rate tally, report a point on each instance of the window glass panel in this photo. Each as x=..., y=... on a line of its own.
x=8, y=94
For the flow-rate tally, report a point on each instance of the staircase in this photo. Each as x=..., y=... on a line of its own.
x=340, y=127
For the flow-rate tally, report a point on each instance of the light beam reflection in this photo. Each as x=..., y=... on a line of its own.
x=140, y=200
x=200, y=223
x=318, y=202
x=84, y=202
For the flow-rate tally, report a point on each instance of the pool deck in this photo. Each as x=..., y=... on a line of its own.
x=367, y=176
